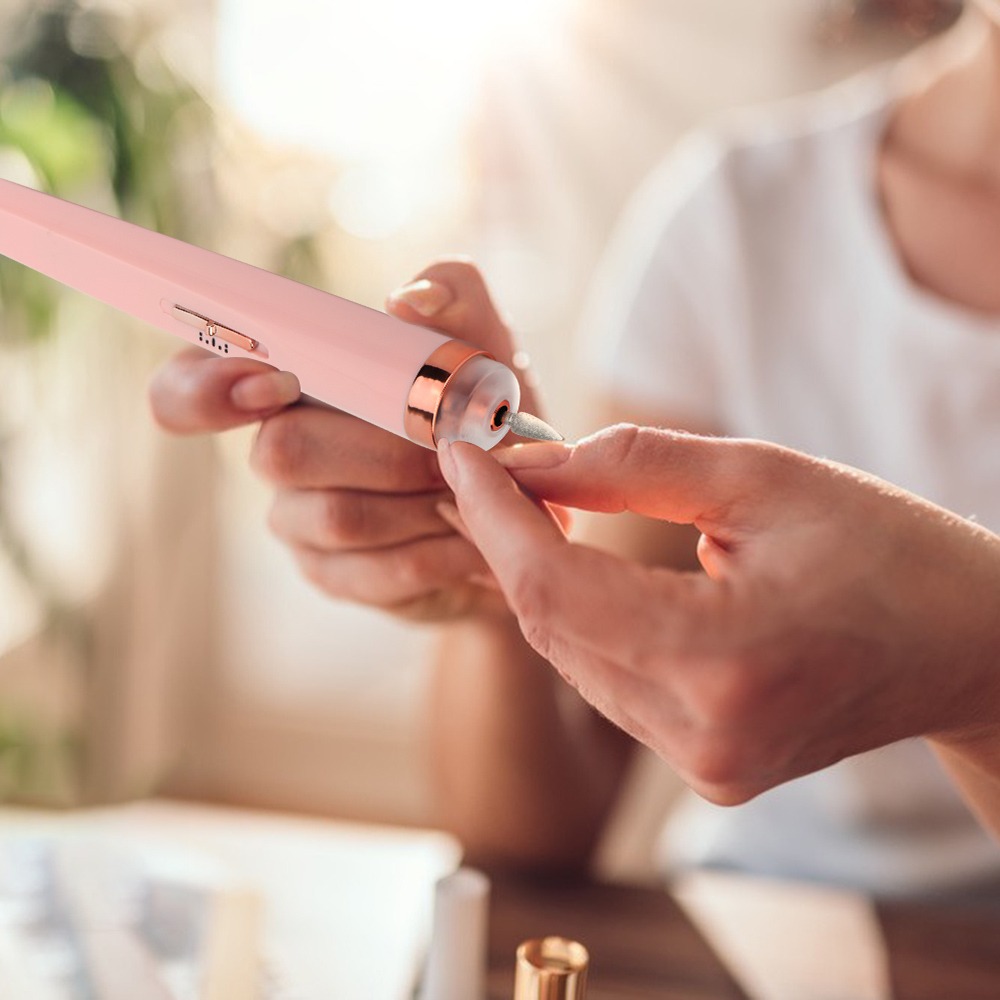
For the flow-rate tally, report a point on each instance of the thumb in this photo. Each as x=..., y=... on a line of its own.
x=669, y=475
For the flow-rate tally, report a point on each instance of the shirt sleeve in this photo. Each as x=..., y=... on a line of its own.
x=667, y=296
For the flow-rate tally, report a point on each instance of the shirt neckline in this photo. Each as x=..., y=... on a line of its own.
x=940, y=310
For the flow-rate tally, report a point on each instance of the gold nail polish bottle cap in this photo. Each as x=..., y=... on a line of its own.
x=551, y=968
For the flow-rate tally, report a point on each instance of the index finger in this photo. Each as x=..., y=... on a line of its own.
x=713, y=483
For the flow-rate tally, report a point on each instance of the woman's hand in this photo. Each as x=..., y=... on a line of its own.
x=357, y=506
x=837, y=613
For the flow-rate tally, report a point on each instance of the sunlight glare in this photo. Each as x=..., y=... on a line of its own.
x=373, y=80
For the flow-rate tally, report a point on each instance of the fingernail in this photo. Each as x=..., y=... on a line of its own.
x=450, y=515
x=485, y=581
x=537, y=455
x=425, y=297
x=265, y=392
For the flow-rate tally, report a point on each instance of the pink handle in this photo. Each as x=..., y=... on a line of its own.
x=352, y=357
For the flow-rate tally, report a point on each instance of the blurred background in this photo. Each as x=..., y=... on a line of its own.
x=153, y=637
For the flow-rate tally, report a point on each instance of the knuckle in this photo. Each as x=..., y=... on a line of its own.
x=715, y=762
x=725, y=692
x=275, y=524
x=414, y=570
x=173, y=390
x=730, y=795
x=410, y=470
x=727, y=767
x=344, y=519
x=311, y=566
x=530, y=599
x=159, y=395
x=621, y=442
x=628, y=446
x=529, y=594
x=278, y=449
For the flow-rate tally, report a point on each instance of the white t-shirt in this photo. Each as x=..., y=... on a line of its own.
x=753, y=288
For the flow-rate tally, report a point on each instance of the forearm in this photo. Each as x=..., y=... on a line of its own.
x=525, y=771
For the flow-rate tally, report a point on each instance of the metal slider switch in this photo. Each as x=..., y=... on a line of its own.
x=212, y=329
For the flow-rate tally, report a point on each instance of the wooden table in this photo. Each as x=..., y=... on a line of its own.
x=644, y=945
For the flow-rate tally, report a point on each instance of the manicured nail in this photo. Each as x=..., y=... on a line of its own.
x=425, y=297
x=536, y=455
x=269, y=391
x=450, y=515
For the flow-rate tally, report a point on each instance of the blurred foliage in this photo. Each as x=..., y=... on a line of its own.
x=91, y=111
x=37, y=766
x=74, y=105
x=88, y=111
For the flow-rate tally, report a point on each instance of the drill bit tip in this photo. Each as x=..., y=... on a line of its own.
x=529, y=426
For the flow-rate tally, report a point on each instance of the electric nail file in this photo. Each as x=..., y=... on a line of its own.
x=409, y=380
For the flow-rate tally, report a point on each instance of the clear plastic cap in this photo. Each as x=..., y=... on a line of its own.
x=475, y=402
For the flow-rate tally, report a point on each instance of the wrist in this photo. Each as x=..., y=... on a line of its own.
x=954, y=622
